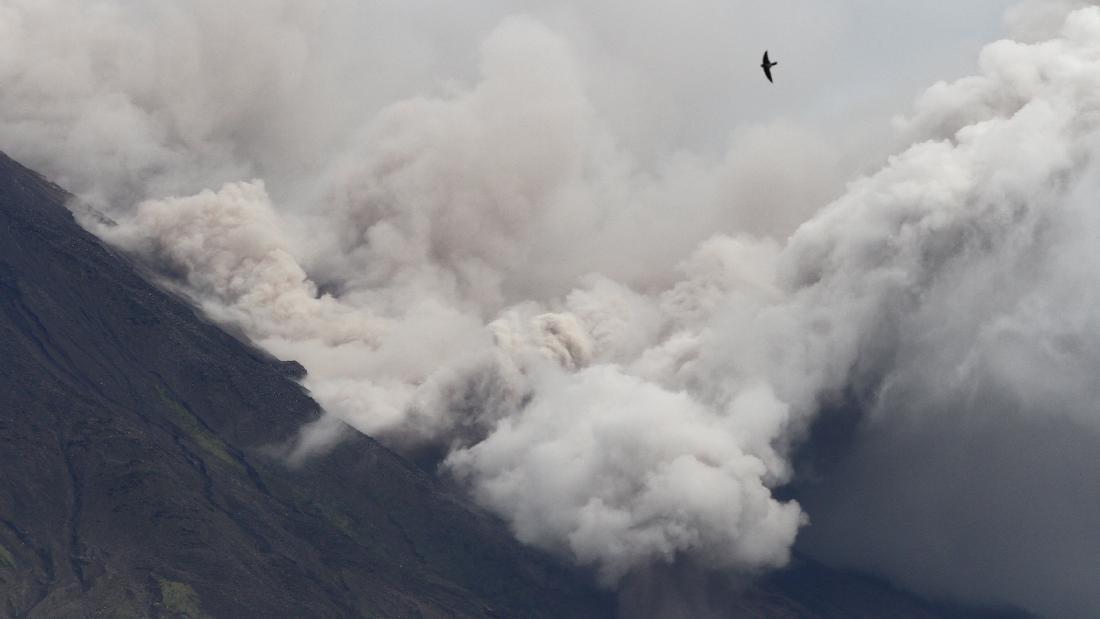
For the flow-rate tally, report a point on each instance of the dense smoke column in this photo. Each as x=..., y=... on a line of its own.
x=973, y=475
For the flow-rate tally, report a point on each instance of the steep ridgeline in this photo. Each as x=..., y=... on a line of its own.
x=133, y=480
x=136, y=478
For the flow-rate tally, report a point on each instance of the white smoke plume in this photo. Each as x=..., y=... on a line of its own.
x=616, y=347
x=489, y=302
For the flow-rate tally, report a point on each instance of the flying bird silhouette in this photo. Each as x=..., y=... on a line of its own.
x=767, y=66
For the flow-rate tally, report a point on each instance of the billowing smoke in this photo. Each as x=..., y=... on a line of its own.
x=974, y=476
x=618, y=344
x=493, y=299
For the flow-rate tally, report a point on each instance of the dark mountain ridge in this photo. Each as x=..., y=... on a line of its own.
x=135, y=480
x=136, y=476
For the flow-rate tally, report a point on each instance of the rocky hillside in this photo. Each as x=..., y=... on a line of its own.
x=135, y=481
x=137, y=477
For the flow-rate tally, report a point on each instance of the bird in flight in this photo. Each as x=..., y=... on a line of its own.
x=767, y=66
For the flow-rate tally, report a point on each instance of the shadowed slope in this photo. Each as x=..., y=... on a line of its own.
x=134, y=481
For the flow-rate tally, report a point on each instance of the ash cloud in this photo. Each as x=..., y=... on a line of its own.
x=617, y=341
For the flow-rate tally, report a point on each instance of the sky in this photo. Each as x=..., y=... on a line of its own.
x=586, y=253
x=673, y=76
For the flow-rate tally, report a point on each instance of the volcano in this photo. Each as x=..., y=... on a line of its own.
x=137, y=476
x=141, y=475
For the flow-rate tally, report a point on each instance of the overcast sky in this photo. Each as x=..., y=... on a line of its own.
x=686, y=75
x=664, y=76
x=696, y=64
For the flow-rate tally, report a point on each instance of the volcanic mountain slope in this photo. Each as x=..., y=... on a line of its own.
x=136, y=480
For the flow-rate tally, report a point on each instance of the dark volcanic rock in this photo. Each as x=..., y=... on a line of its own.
x=133, y=480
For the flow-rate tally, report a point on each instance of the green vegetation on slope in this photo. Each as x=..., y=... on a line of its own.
x=185, y=420
x=180, y=598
